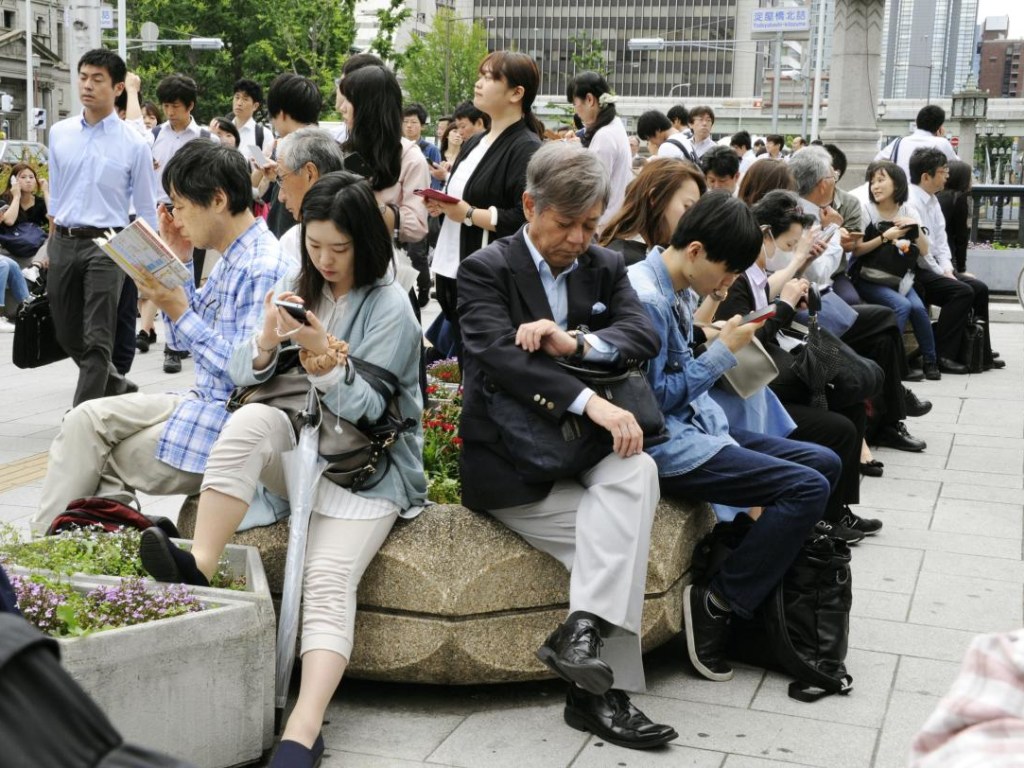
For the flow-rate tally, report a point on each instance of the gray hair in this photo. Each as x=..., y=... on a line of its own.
x=311, y=145
x=809, y=166
x=568, y=178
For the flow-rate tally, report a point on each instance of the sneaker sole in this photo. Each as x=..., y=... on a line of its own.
x=595, y=680
x=581, y=722
x=691, y=644
x=158, y=562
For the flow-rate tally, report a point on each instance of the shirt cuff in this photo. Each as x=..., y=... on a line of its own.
x=332, y=378
x=718, y=358
x=600, y=350
x=580, y=403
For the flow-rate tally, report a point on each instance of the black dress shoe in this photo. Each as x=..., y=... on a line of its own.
x=119, y=385
x=896, y=436
x=706, y=634
x=164, y=561
x=952, y=366
x=572, y=652
x=872, y=468
x=914, y=405
x=993, y=363
x=172, y=361
x=931, y=370
x=291, y=754
x=914, y=374
x=142, y=342
x=615, y=719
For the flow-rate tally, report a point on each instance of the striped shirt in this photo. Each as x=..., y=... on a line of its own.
x=221, y=315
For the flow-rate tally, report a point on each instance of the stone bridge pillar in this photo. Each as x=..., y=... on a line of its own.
x=853, y=84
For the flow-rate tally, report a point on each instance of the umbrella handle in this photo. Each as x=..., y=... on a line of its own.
x=813, y=300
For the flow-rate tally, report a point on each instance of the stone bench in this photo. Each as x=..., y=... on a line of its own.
x=453, y=597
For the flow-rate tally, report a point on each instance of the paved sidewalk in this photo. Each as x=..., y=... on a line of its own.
x=947, y=566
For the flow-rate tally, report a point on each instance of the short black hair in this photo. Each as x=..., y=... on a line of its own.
x=678, y=114
x=740, y=139
x=347, y=201
x=776, y=138
x=931, y=118
x=250, y=88
x=296, y=96
x=702, y=111
x=178, y=87
x=360, y=60
x=415, y=109
x=651, y=122
x=779, y=210
x=926, y=160
x=838, y=158
x=201, y=167
x=725, y=226
x=721, y=161
x=900, y=189
x=469, y=112
x=228, y=126
x=108, y=60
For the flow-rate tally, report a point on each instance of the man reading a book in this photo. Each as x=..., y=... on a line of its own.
x=98, y=167
x=159, y=443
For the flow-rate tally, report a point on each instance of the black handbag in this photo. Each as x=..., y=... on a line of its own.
x=357, y=454
x=887, y=264
x=22, y=240
x=35, y=340
x=543, y=449
x=972, y=351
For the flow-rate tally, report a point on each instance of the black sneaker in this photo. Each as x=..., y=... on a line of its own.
x=142, y=342
x=172, y=361
x=706, y=634
x=838, y=531
x=865, y=525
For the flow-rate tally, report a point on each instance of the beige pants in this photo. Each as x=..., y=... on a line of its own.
x=599, y=527
x=338, y=551
x=108, y=446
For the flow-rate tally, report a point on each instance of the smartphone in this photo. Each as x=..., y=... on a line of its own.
x=255, y=154
x=826, y=234
x=432, y=164
x=433, y=194
x=758, y=315
x=296, y=310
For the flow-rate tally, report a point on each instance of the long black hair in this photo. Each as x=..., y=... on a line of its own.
x=594, y=84
x=347, y=201
x=376, y=134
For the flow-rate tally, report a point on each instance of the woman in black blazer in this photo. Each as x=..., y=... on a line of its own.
x=489, y=176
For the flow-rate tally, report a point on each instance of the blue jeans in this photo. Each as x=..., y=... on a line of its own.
x=11, y=277
x=905, y=307
x=790, y=479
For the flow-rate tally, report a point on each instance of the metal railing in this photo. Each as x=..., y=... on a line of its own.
x=997, y=204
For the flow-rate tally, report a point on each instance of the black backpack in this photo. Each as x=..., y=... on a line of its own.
x=803, y=626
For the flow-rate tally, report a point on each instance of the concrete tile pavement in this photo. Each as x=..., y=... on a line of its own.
x=947, y=566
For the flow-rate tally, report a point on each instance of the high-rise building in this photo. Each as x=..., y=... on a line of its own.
x=928, y=47
x=1000, y=68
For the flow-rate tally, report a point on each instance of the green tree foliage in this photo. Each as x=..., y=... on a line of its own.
x=453, y=48
x=388, y=21
x=588, y=53
x=262, y=40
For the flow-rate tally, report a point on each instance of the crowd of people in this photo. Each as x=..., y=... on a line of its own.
x=545, y=248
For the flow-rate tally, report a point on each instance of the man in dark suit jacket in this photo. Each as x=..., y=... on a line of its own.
x=545, y=293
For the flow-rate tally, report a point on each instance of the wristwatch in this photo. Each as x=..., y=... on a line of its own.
x=468, y=220
x=581, y=346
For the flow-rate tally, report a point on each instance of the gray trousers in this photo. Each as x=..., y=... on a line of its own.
x=599, y=527
x=84, y=286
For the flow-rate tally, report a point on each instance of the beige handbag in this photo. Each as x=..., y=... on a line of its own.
x=754, y=370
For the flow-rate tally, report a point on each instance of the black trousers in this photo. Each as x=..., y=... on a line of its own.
x=875, y=335
x=84, y=285
x=956, y=299
x=842, y=431
x=448, y=297
x=123, y=354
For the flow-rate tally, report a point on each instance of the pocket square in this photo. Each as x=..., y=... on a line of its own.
x=598, y=308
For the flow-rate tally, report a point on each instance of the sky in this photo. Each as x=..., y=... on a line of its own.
x=1012, y=8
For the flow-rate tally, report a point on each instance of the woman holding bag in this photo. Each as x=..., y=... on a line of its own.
x=354, y=308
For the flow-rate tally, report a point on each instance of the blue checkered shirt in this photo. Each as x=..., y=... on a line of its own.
x=221, y=315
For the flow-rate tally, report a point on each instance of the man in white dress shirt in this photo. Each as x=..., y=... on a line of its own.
x=248, y=97
x=702, y=120
x=929, y=133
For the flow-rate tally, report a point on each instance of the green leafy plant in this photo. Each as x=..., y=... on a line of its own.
x=446, y=370
x=441, y=448
x=442, y=66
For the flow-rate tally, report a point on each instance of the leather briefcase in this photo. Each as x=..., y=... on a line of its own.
x=35, y=340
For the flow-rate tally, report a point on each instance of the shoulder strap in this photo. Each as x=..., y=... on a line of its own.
x=259, y=135
x=156, y=132
x=682, y=148
x=895, y=150
x=203, y=133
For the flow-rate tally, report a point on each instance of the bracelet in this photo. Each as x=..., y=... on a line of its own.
x=317, y=364
x=261, y=349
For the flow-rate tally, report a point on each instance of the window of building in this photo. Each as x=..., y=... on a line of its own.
x=9, y=19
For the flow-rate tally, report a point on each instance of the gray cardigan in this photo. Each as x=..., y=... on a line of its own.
x=380, y=328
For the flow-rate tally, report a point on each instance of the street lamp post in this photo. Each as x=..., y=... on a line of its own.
x=679, y=85
x=969, y=106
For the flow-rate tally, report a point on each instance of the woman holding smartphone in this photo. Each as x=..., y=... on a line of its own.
x=355, y=308
x=489, y=175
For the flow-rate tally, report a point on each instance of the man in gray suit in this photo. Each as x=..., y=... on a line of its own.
x=546, y=292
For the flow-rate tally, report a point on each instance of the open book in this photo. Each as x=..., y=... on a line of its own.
x=139, y=251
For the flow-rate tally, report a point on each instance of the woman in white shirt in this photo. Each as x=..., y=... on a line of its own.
x=603, y=134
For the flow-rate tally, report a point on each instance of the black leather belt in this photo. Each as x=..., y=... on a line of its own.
x=84, y=232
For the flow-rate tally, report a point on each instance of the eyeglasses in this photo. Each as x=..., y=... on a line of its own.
x=282, y=176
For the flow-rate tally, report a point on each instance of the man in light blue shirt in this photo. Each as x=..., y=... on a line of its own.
x=98, y=166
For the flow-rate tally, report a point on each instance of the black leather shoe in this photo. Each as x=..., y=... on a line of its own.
x=896, y=436
x=914, y=374
x=952, y=366
x=172, y=361
x=119, y=385
x=614, y=718
x=572, y=652
x=142, y=342
x=164, y=561
x=931, y=370
x=914, y=405
x=291, y=754
x=706, y=634
x=993, y=363
x=868, y=526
